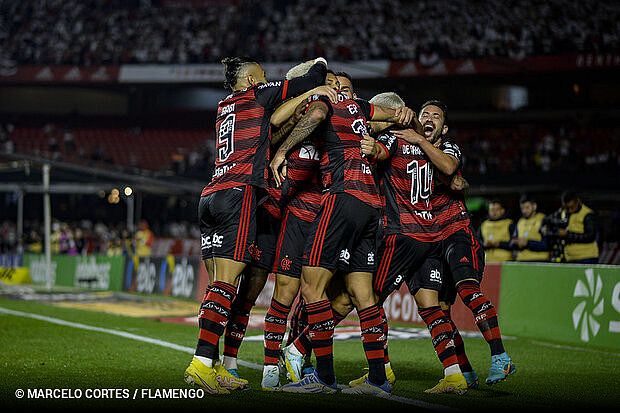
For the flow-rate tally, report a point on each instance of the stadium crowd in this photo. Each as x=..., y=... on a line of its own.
x=511, y=149
x=88, y=237
x=95, y=32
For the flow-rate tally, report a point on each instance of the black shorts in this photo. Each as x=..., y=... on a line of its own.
x=263, y=251
x=290, y=246
x=464, y=258
x=343, y=235
x=404, y=259
x=228, y=223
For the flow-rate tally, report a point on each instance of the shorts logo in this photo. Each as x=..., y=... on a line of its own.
x=285, y=263
x=371, y=258
x=344, y=256
x=205, y=242
x=255, y=252
x=217, y=240
x=435, y=276
x=464, y=260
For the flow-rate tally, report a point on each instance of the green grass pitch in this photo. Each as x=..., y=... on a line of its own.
x=38, y=354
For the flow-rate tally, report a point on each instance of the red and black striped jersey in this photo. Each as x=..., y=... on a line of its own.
x=343, y=168
x=407, y=184
x=243, y=132
x=303, y=189
x=448, y=206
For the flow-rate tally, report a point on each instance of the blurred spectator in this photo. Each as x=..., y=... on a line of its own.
x=527, y=239
x=144, y=239
x=580, y=234
x=495, y=233
x=96, y=32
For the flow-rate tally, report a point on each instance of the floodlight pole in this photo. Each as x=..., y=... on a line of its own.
x=47, y=219
x=130, y=214
x=20, y=217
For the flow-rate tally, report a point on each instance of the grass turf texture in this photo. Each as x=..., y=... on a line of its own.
x=37, y=354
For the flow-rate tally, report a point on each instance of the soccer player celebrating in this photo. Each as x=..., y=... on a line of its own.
x=411, y=248
x=228, y=203
x=343, y=233
x=460, y=248
x=300, y=198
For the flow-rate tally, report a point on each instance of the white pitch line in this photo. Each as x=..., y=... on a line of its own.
x=572, y=348
x=119, y=333
x=189, y=350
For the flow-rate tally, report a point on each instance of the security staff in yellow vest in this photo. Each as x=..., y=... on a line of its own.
x=527, y=239
x=580, y=234
x=496, y=233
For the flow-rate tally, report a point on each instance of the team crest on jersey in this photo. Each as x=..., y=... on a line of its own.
x=359, y=127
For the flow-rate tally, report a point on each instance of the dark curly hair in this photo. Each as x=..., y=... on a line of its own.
x=440, y=105
x=232, y=66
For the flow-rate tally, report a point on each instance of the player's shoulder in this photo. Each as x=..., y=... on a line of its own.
x=387, y=138
x=450, y=147
x=267, y=85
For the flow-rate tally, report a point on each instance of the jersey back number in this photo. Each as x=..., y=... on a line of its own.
x=225, y=139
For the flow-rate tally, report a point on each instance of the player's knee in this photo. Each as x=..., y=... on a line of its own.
x=286, y=289
x=342, y=304
x=426, y=298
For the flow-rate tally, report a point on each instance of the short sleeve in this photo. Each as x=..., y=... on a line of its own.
x=320, y=98
x=451, y=148
x=389, y=143
x=271, y=94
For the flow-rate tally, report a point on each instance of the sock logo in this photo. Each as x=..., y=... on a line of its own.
x=584, y=320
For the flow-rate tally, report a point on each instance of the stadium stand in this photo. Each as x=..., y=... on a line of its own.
x=97, y=32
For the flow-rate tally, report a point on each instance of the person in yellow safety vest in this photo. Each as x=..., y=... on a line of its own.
x=527, y=239
x=496, y=232
x=580, y=234
x=144, y=239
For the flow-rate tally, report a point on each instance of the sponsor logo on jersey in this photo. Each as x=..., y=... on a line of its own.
x=270, y=84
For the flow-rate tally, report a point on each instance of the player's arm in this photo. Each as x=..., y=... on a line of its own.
x=446, y=163
x=272, y=94
x=378, y=149
x=284, y=112
x=316, y=113
x=290, y=123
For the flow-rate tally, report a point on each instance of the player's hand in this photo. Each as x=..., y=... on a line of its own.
x=458, y=183
x=326, y=91
x=277, y=166
x=409, y=135
x=522, y=242
x=562, y=232
x=368, y=146
x=404, y=116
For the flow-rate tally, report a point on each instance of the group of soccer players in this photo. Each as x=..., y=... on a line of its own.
x=344, y=200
